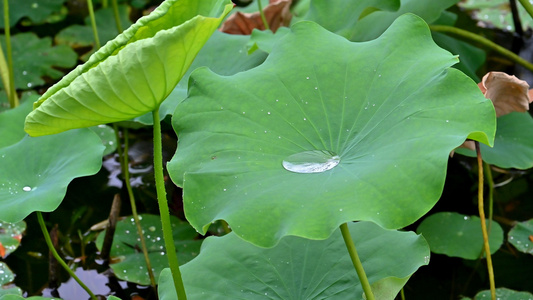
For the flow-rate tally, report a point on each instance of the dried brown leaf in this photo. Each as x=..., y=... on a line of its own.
x=277, y=14
x=507, y=93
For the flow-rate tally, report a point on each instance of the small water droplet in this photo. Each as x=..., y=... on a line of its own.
x=426, y=259
x=35, y=5
x=29, y=84
x=26, y=188
x=314, y=161
x=24, y=72
x=151, y=228
x=243, y=112
x=305, y=119
x=316, y=88
x=340, y=209
x=447, y=121
x=307, y=77
x=268, y=113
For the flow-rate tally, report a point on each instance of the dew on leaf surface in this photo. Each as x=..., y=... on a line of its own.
x=313, y=161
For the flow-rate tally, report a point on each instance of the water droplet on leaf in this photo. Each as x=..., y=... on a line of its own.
x=314, y=161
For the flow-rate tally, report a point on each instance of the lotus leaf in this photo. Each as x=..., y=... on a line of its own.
x=132, y=74
x=35, y=57
x=298, y=268
x=35, y=172
x=503, y=293
x=458, y=235
x=383, y=107
x=521, y=236
x=513, y=144
x=36, y=10
x=128, y=260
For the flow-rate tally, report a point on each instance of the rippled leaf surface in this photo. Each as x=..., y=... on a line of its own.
x=126, y=254
x=384, y=107
x=297, y=268
x=458, y=235
x=132, y=74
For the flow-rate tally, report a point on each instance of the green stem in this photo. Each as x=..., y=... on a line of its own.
x=490, y=183
x=58, y=258
x=104, y=4
x=124, y=163
x=117, y=16
x=262, y=13
x=356, y=262
x=483, y=42
x=483, y=224
x=163, y=208
x=93, y=24
x=527, y=6
x=402, y=294
x=10, y=89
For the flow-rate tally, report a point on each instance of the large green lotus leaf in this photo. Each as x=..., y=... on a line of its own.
x=374, y=24
x=35, y=172
x=128, y=261
x=34, y=58
x=384, y=109
x=36, y=10
x=297, y=268
x=224, y=54
x=521, y=236
x=513, y=144
x=503, y=293
x=457, y=235
x=81, y=36
x=132, y=74
x=12, y=122
x=10, y=236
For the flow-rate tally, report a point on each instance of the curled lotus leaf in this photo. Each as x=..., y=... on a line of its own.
x=376, y=121
x=132, y=74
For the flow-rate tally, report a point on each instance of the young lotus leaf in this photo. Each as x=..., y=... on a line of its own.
x=132, y=74
x=521, y=236
x=35, y=172
x=224, y=54
x=127, y=258
x=513, y=144
x=299, y=268
x=458, y=235
x=387, y=112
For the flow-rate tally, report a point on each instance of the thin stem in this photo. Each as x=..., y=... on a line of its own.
x=124, y=162
x=483, y=42
x=527, y=6
x=163, y=208
x=483, y=224
x=93, y=24
x=104, y=4
x=262, y=13
x=490, y=183
x=10, y=90
x=356, y=261
x=117, y=16
x=58, y=258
